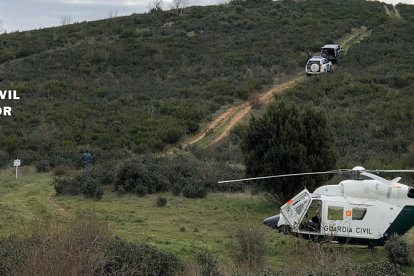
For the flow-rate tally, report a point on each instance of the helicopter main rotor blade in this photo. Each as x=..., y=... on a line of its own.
x=277, y=176
x=358, y=170
x=376, y=177
x=390, y=171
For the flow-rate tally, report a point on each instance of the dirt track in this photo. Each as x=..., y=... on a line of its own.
x=394, y=13
x=220, y=127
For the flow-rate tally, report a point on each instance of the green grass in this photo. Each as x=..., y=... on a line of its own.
x=24, y=199
x=208, y=222
x=183, y=227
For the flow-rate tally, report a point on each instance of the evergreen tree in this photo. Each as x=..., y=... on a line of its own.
x=288, y=140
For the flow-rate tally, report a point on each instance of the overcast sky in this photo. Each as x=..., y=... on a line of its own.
x=34, y=14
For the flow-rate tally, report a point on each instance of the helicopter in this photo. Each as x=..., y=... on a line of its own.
x=357, y=211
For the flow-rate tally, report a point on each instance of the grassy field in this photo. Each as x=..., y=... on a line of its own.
x=183, y=227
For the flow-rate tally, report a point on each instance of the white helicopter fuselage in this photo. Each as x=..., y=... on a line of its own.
x=353, y=211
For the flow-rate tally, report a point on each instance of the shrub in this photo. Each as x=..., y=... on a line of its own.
x=141, y=190
x=308, y=258
x=42, y=166
x=161, y=201
x=105, y=174
x=80, y=184
x=90, y=187
x=28, y=157
x=13, y=251
x=286, y=132
x=176, y=189
x=379, y=268
x=252, y=247
x=208, y=263
x=397, y=250
x=77, y=249
x=194, y=191
x=124, y=258
x=66, y=186
x=135, y=177
x=60, y=170
x=4, y=159
x=57, y=158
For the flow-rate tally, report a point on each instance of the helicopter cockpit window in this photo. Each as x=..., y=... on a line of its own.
x=410, y=193
x=335, y=213
x=358, y=213
x=312, y=220
x=300, y=204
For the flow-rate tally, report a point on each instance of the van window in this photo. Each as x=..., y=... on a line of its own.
x=358, y=213
x=335, y=213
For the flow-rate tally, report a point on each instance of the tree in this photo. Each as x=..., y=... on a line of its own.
x=113, y=13
x=288, y=140
x=65, y=20
x=1, y=25
x=155, y=5
x=179, y=5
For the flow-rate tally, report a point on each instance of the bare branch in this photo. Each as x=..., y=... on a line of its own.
x=155, y=5
x=65, y=20
x=1, y=26
x=113, y=13
x=179, y=5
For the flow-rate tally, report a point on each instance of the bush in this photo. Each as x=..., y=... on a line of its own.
x=194, y=191
x=76, y=249
x=4, y=159
x=42, y=166
x=308, y=258
x=176, y=189
x=60, y=170
x=105, y=174
x=83, y=246
x=141, y=190
x=208, y=263
x=397, y=250
x=80, y=184
x=161, y=201
x=252, y=247
x=134, y=177
x=66, y=186
x=124, y=258
x=13, y=251
x=379, y=268
x=286, y=132
x=90, y=187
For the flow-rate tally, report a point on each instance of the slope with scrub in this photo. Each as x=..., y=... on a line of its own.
x=220, y=127
x=139, y=83
x=369, y=98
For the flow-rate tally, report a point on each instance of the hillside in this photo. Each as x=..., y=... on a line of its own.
x=369, y=99
x=148, y=83
x=139, y=83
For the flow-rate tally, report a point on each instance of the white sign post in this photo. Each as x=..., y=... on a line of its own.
x=16, y=163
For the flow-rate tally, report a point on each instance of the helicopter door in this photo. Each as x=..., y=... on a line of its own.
x=295, y=209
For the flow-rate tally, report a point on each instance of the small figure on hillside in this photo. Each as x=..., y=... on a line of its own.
x=309, y=56
x=86, y=158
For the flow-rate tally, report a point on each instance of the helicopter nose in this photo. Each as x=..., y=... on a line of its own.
x=272, y=221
